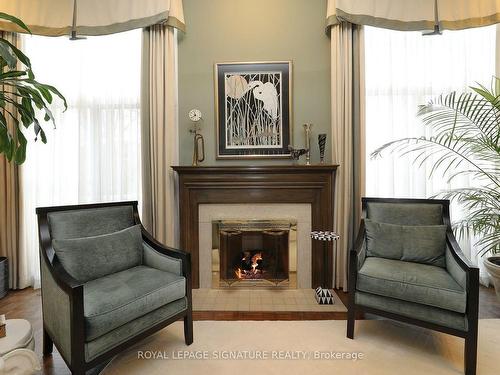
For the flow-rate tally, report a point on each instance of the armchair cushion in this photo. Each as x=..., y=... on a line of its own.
x=90, y=258
x=405, y=213
x=421, y=244
x=89, y=222
x=114, y=300
x=412, y=282
x=412, y=310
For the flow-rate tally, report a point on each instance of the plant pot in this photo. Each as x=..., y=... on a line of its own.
x=492, y=265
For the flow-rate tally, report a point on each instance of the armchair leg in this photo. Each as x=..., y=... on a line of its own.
x=351, y=319
x=188, y=328
x=48, y=345
x=470, y=353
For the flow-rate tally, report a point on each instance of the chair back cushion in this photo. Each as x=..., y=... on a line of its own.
x=405, y=213
x=89, y=221
x=418, y=243
x=90, y=258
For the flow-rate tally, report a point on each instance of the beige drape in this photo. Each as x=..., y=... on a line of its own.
x=9, y=203
x=159, y=122
x=91, y=17
x=348, y=134
x=415, y=15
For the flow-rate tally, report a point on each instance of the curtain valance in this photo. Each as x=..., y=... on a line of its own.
x=90, y=17
x=415, y=15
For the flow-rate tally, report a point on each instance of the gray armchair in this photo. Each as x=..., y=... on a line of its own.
x=106, y=283
x=406, y=265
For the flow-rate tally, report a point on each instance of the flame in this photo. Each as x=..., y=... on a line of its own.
x=255, y=258
x=238, y=273
x=244, y=274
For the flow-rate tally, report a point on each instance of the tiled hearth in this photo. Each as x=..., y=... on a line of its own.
x=261, y=300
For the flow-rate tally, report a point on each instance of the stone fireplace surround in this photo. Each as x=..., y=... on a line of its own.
x=208, y=213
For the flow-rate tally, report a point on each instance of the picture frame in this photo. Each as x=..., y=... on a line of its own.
x=253, y=109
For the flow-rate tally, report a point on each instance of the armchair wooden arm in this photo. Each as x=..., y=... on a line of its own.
x=355, y=256
x=457, y=253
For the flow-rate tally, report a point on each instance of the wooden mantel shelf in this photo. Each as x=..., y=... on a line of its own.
x=256, y=169
x=314, y=185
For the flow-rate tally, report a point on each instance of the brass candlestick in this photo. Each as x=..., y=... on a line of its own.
x=307, y=130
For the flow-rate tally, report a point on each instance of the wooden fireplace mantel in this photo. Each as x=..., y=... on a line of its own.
x=313, y=184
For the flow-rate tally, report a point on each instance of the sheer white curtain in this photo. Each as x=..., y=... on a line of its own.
x=94, y=154
x=403, y=70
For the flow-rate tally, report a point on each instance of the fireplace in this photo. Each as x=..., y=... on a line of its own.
x=254, y=253
x=253, y=188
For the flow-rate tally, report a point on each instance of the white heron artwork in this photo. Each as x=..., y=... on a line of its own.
x=253, y=110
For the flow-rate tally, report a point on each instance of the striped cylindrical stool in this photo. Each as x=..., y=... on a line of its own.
x=323, y=295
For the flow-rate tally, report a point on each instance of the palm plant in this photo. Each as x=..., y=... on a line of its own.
x=465, y=130
x=22, y=98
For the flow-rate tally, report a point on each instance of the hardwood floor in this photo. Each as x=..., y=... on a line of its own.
x=26, y=304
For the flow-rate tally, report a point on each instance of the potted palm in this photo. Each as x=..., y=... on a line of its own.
x=24, y=102
x=465, y=140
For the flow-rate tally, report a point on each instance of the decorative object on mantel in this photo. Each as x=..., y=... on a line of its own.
x=307, y=130
x=198, y=141
x=252, y=106
x=325, y=237
x=321, y=145
x=324, y=296
x=296, y=153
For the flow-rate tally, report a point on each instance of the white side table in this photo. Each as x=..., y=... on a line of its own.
x=16, y=349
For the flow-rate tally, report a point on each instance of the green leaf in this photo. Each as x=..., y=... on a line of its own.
x=20, y=153
x=44, y=91
x=56, y=91
x=14, y=20
x=17, y=52
x=43, y=136
x=8, y=56
x=12, y=74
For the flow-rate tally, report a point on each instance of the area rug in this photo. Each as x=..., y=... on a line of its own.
x=306, y=347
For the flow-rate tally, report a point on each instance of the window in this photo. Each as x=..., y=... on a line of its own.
x=403, y=70
x=94, y=154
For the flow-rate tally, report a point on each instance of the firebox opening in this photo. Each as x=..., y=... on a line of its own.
x=254, y=253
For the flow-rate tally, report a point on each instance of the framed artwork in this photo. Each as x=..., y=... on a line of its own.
x=253, y=109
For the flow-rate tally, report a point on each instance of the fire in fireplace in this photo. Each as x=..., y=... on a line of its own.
x=251, y=266
x=253, y=251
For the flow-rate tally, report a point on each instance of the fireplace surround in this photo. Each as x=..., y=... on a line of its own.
x=284, y=184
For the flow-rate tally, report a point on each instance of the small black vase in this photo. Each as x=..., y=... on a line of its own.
x=322, y=145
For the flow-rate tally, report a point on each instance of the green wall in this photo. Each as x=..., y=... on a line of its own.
x=254, y=30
